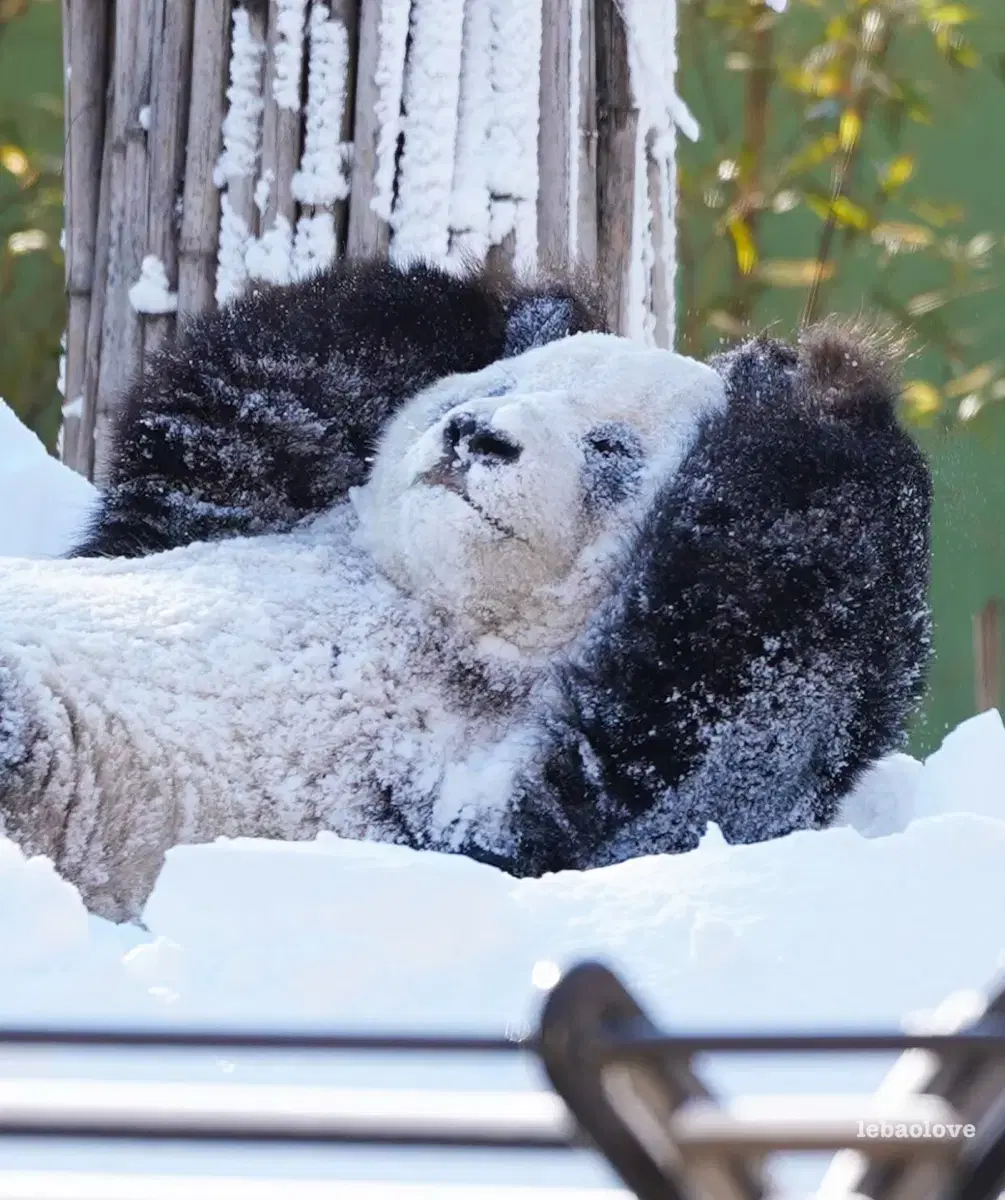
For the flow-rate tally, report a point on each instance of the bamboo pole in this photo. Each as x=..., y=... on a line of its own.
x=988, y=656
x=168, y=117
x=586, y=192
x=280, y=132
x=201, y=199
x=367, y=233
x=555, y=139
x=85, y=38
x=122, y=336
x=617, y=129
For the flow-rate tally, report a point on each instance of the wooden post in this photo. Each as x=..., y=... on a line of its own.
x=556, y=136
x=149, y=82
x=617, y=135
x=988, y=656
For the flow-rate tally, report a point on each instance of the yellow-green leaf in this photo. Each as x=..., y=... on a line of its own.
x=850, y=129
x=898, y=172
x=743, y=240
x=950, y=14
x=972, y=381
x=921, y=398
x=900, y=235
x=14, y=160
x=794, y=272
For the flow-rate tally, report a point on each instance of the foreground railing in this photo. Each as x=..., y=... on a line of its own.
x=622, y=1088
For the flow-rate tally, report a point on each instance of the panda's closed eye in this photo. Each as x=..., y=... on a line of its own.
x=613, y=463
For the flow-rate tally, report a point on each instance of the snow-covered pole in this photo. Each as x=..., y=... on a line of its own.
x=213, y=143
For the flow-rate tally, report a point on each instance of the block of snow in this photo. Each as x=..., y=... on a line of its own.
x=967, y=773
x=151, y=293
x=44, y=506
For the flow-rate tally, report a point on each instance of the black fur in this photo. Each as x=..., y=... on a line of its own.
x=265, y=412
x=771, y=634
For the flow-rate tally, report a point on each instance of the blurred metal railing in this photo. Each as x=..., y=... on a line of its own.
x=620, y=1086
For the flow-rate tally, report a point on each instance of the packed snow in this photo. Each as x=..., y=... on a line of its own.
x=151, y=294
x=875, y=921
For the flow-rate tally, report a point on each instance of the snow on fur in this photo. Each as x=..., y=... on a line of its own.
x=291, y=683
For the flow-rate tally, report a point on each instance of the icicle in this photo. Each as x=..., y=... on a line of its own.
x=389, y=76
x=421, y=216
x=321, y=178
x=288, y=53
x=469, y=201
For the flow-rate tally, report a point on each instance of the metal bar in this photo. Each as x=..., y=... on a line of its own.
x=66, y=1185
x=221, y=1039
x=269, y=1113
x=989, y=1041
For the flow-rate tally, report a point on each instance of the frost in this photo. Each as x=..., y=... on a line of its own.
x=469, y=201
x=288, y=53
x=314, y=245
x=270, y=257
x=322, y=177
x=421, y=217
x=263, y=189
x=231, y=269
x=512, y=144
x=241, y=132
x=151, y=293
x=389, y=77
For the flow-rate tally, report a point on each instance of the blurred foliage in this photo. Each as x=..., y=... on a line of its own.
x=810, y=189
x=32, y=304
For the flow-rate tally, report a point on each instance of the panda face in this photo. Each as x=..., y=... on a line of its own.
x=501, y=497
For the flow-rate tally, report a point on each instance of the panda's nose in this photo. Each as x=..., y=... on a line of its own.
x=464, y=432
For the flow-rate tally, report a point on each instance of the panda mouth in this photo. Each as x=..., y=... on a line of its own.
x=452, y=481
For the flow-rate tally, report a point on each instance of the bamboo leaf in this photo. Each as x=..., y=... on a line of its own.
x=743, y=241
x=922, y=399
x=794, y=272
x=898, y=172
x=850, y=129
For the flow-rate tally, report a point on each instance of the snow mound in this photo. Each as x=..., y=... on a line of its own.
x=872, y=921
x=44, y=506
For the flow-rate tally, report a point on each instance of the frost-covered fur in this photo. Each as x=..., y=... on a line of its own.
x=590, y=599
x=266, y=411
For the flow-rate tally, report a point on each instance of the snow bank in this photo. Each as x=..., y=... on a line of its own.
x=871, y=921
x=43, y=505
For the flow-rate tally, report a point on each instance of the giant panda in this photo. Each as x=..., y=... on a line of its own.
x=435, y=560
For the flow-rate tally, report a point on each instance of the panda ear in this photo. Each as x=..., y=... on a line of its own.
x=536, y=321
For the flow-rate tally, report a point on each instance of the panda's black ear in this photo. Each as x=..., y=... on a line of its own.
x=851, y=369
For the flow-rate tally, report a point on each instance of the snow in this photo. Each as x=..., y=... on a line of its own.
x=241, y=125
x=151, y=293
x=321, y=178
x=421, y=217
x=44, y=506
x=875, y=921
x=288, y=53
x=389, y=75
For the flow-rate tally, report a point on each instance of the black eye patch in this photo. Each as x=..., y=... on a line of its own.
x=614, y=458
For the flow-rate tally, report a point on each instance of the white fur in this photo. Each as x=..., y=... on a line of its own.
x=536, y=585
x=277, y=686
